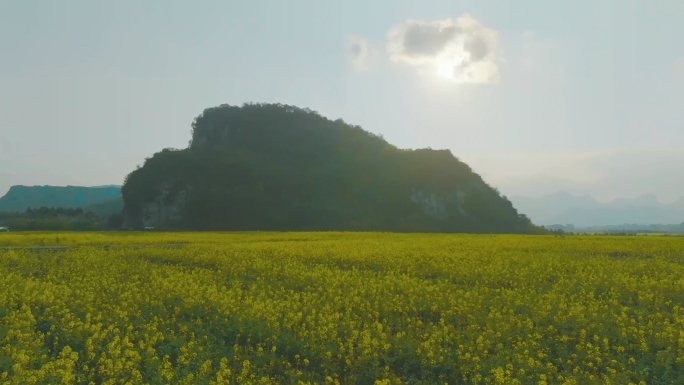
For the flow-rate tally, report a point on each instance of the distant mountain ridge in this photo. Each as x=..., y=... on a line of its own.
x=584, y=211
x=19, y=197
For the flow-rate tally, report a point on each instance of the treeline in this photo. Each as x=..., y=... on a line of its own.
x=65, y=212
x=627, y=228
x=640, y=228
x=57, y=218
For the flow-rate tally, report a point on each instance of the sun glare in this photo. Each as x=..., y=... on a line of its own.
x=444, y=68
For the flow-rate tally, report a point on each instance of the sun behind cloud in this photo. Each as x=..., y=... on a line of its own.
x=444, y=67
x=462, y=50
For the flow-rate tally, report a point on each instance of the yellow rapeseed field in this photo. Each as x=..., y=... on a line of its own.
x=341, y=308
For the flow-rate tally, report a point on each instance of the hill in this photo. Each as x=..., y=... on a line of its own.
x=279, y=167
x=584, y=211
x=19, y=198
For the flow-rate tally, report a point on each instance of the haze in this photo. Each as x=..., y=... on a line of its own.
x=536, y=96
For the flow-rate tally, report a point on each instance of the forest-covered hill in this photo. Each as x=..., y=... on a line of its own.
x=279, y=167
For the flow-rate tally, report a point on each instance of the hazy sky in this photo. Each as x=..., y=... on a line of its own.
x=537, y=96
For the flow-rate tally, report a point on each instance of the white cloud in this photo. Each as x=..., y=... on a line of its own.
x=462, y=49
x=358, y=53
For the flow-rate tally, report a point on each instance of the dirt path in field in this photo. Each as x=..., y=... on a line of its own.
x=106, y=247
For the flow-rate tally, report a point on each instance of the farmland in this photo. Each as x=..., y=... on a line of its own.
x=341, y=308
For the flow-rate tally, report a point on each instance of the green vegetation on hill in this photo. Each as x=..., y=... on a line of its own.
x=19, y=198
x=49, y=218
x=279, y=167
x=105, y=209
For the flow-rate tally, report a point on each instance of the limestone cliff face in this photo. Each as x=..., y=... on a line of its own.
x=227, y=136
x=440, y=206
x=161, y=212
x=164, y=210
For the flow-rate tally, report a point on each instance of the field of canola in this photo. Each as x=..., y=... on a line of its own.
x=342, y=308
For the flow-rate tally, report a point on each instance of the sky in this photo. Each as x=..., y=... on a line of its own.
x=536, y=96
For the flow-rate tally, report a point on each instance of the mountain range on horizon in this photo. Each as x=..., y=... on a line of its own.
x=18, y=198
x=585, y=211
